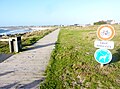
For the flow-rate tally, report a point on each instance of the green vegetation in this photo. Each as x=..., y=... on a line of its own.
x=72, y=64
x=27, y=40
x=100, y=23
x=31, y=38
x=4, y=47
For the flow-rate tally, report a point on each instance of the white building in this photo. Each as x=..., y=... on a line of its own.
x=110, y=21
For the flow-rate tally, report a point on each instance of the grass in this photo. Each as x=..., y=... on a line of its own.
x=31, y=38
x=72, y=64
x=27, y=40
x=4, y=47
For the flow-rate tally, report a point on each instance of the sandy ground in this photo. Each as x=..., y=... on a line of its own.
x=25, y=70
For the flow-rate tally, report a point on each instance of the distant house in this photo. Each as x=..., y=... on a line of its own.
x=110, y=21
x=76, y=24
x=105, y=22
x=87, y=24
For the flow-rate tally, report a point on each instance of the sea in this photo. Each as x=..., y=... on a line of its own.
x=5, y=31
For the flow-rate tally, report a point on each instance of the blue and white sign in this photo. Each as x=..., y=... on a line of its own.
x=103, y=56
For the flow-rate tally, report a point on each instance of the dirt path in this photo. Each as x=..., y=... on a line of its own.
x=25, y=70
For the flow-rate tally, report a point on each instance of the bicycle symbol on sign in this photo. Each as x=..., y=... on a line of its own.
x=105, y=33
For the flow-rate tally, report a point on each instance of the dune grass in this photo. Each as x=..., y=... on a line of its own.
x=72, y=64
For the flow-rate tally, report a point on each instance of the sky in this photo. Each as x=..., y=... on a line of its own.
x=57, y=12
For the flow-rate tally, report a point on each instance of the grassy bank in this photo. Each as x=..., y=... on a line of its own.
x=4, y=47
x=72, y=64
x=27, y=39
x=31, y=38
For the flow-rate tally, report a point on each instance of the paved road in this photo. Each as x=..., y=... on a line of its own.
x=4, y=57
x=25, y=70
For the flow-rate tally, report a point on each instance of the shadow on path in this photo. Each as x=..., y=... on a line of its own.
x=9, y=86
x=3, y=57
x=16, y=85
x=32, y=84
x=2, y=74
x=39, y=46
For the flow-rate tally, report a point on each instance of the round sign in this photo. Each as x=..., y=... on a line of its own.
x=103, y=56
x=105, y=32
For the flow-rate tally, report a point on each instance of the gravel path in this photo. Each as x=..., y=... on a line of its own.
x=25, y=70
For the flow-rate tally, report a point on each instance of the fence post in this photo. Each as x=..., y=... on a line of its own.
x=17, y=44
x=11, y=47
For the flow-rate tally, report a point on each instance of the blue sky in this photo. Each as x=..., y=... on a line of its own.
x=50, y=12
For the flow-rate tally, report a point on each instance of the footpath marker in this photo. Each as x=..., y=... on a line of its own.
x=103, y=55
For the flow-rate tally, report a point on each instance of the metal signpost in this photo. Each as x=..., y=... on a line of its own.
x=103, y=55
